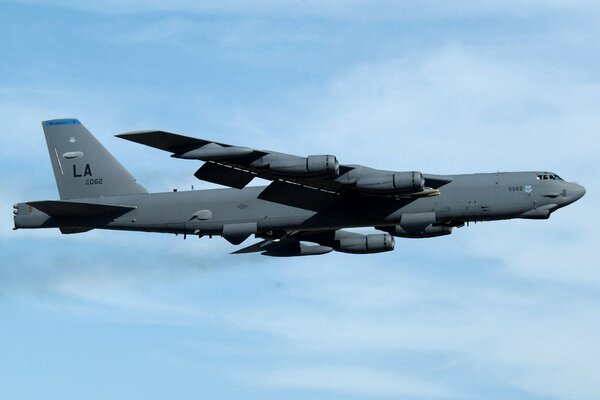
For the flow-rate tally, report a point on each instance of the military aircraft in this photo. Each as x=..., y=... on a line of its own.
x=303, y=211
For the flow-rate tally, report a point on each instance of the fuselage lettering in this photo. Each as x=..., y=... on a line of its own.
x=94, y=181
x=86, y=172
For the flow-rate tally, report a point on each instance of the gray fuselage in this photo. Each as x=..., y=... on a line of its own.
x=471, y=197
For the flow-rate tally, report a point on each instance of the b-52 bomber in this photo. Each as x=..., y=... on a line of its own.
x=303, y=211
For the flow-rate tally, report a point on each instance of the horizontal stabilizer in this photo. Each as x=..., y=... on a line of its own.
x=56, y=208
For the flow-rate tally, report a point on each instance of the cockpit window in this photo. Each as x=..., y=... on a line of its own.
x=545, y=177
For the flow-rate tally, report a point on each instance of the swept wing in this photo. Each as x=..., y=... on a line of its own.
x=236, y=166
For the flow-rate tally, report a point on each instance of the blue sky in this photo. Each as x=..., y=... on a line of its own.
x=496, y=310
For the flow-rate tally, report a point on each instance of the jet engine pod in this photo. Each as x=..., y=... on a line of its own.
x=326, y=165
x=399, y=182
x=365, y=244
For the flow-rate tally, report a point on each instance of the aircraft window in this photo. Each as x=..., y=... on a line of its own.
x=545, y=177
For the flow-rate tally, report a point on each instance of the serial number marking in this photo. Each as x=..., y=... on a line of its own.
x=94, y=181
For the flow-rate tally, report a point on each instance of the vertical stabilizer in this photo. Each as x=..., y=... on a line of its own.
x=82, y=166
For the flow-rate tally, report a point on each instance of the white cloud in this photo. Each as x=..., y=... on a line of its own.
x=525, y=338
x=451, y=110
x=166, y=31
x=349, y=380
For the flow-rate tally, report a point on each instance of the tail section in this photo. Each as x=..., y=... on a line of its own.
x=82, y=165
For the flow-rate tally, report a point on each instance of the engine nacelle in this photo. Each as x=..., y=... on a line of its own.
x=365, y=244
x=399, y=182
x=326, y=165
x=428, y=232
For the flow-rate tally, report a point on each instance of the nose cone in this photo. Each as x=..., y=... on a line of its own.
x=579, y=192
x=576, y=192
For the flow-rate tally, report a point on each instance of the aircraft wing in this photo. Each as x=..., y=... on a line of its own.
x=236, y=166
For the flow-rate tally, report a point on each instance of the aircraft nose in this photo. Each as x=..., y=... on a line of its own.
x=577, y=192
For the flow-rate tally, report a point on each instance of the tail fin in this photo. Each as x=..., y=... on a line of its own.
x=82, y=166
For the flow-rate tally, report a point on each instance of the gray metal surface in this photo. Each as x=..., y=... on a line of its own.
x=82, y=166
x=312, y=203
